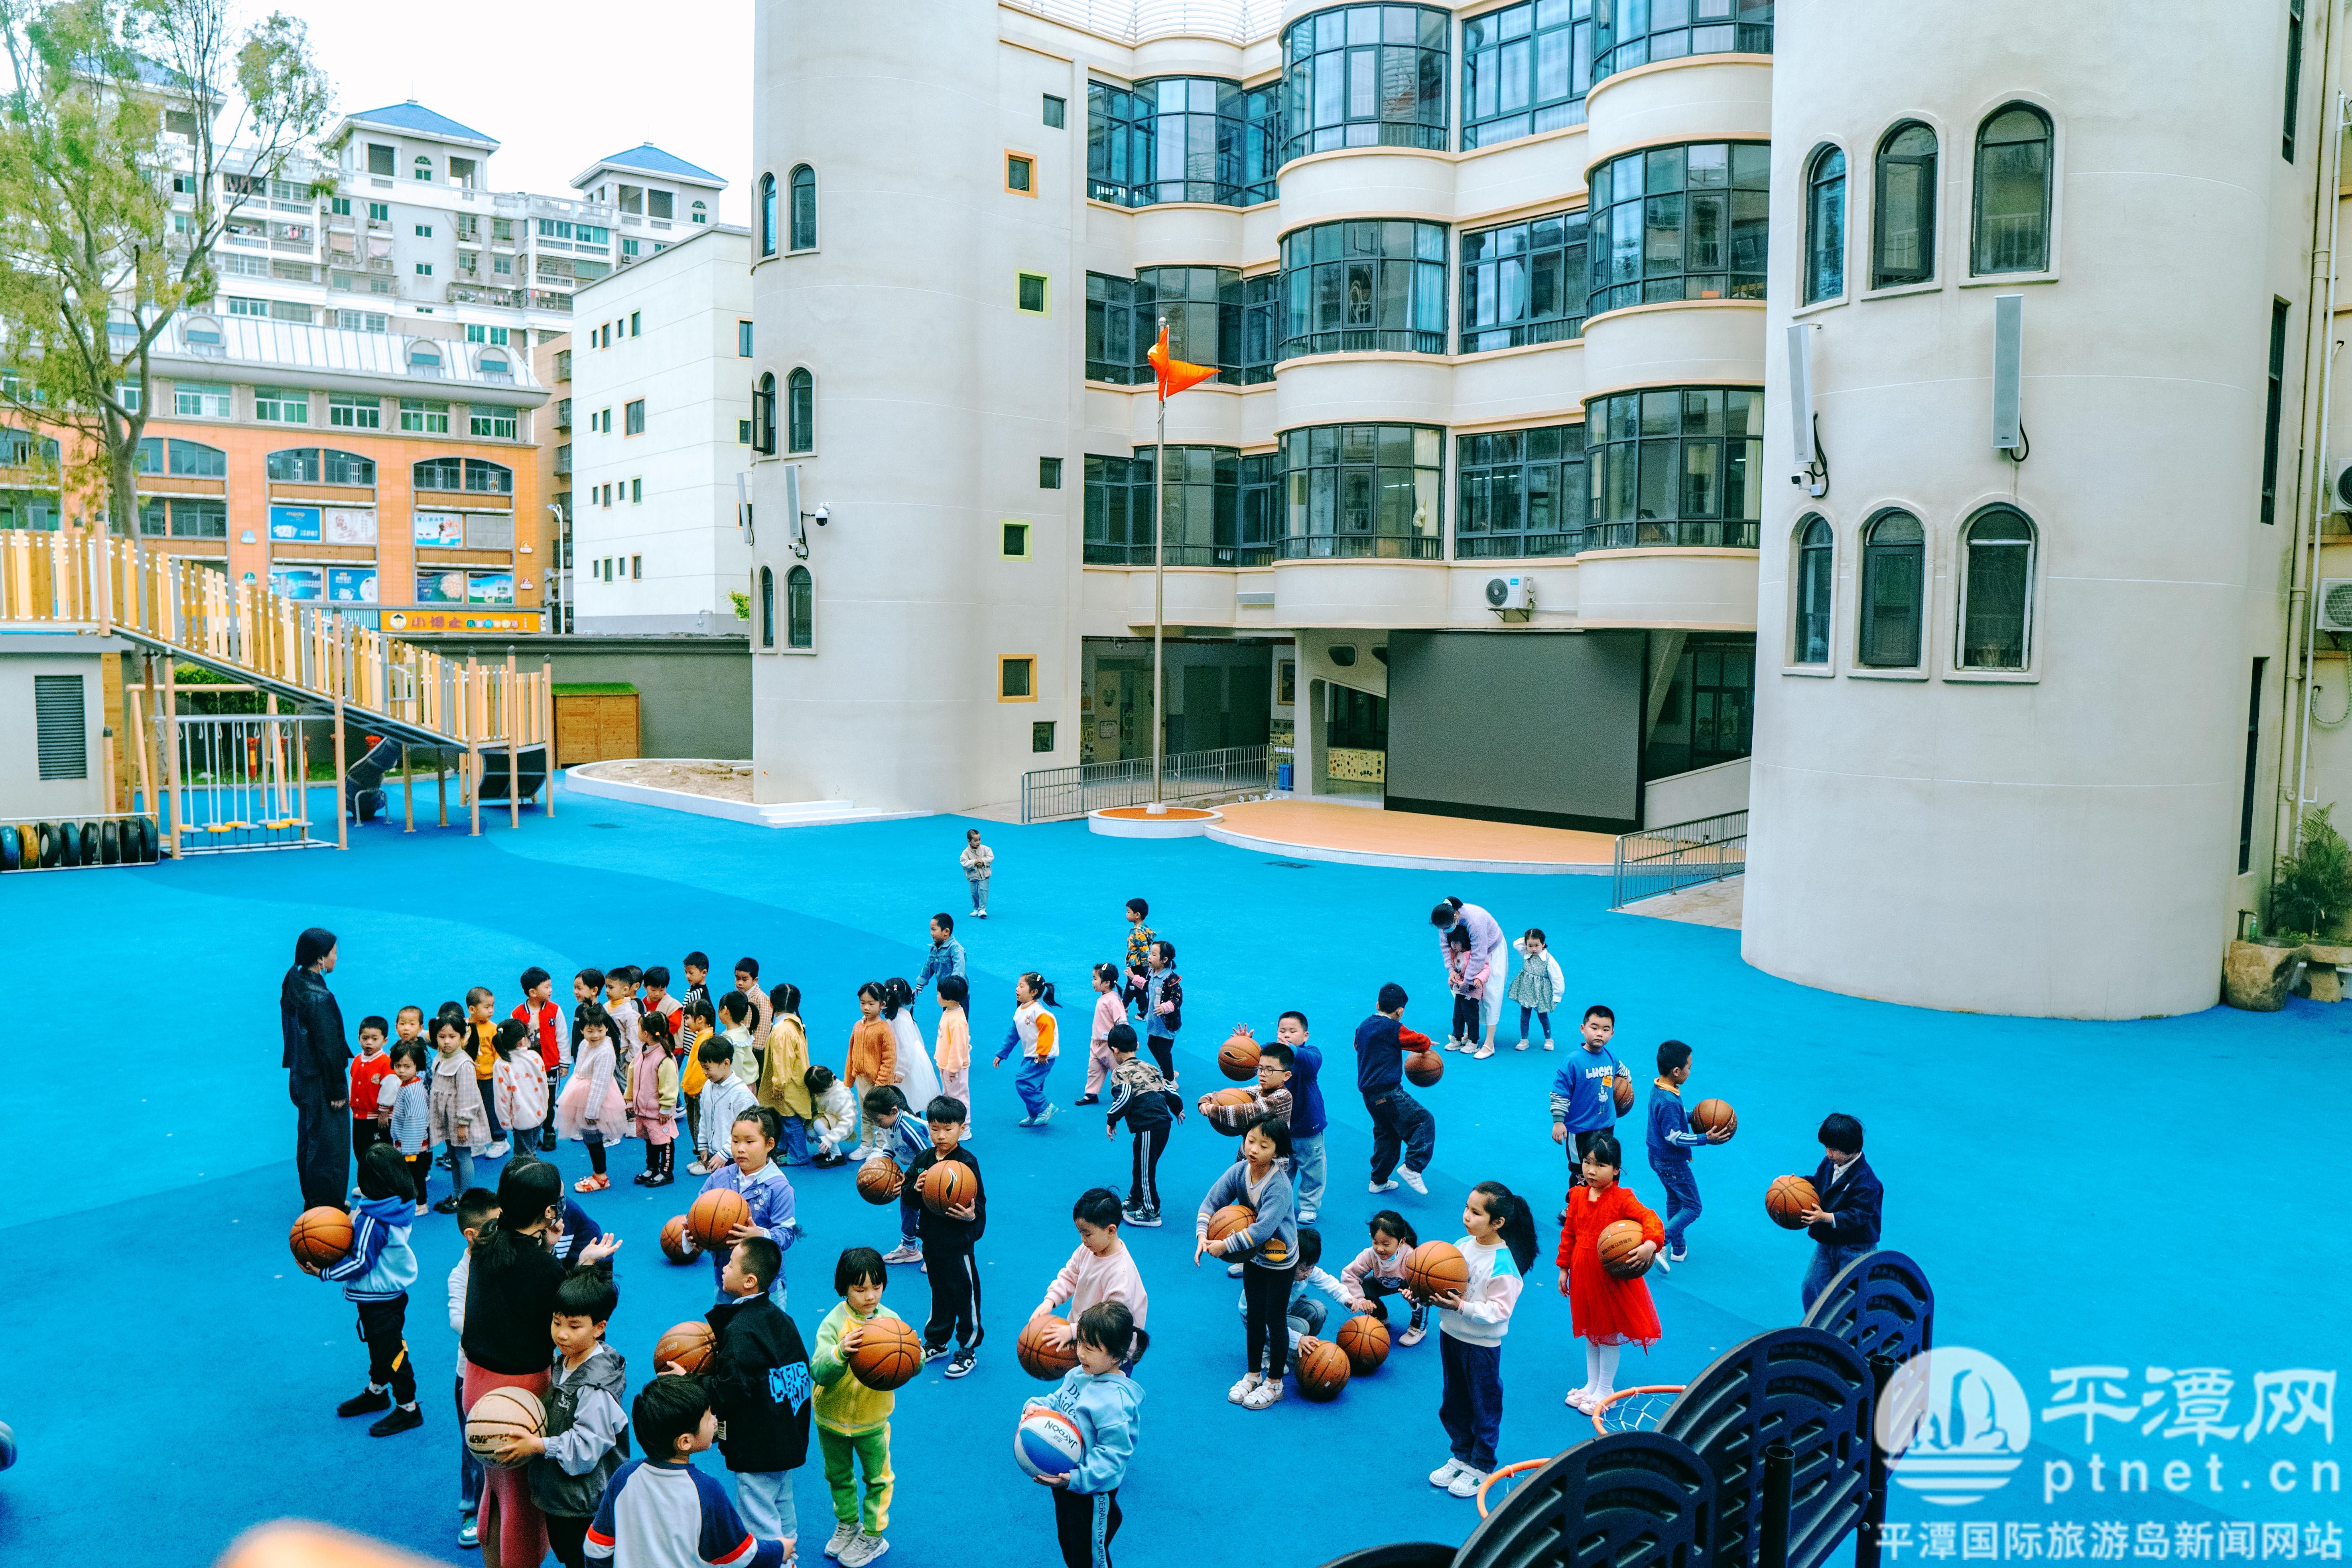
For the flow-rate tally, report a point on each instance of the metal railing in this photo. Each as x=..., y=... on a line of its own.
x=1051, y=793
x=1681, y=855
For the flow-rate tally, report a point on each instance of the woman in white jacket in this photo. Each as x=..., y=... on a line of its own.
x=1539, y=984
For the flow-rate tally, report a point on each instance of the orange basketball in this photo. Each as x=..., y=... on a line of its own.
x=1366, y=1340
x=1620, y=1244
x=888, y=1354
x=677, y=1244
x=1787, y=1198
x=1710, y=1114
x=1040, y=1358
x=1230, y=1096
x=1424, y=1067
x=949, y=1185
x=690, y=1344
x=1625, y=1092
x=879, y=1180
x=321, y=1237
x=1321, y=1368
x=1435, y=1268
x=1230, y=1220
x=1237, y=1058
x=715, y=1214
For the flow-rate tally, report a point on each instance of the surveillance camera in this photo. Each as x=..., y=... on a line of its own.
x=823, y=514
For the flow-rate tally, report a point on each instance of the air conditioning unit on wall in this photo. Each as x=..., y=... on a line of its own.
x=1512, y=598
x=2331, y=606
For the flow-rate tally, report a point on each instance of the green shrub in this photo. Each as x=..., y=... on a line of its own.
x=2312, y=891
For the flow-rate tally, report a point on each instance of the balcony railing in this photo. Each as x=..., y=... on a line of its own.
x=541, y=299
x=1101, y=554
x=1687, y=534
x=1666, y=860
x=1051, y=793
x=1362, y=547
x=481, y=294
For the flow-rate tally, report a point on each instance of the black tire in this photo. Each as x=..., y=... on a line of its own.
x=50, y=845
x=69, y=845
x=90, y=843
x=110, y=845
x=148, y=839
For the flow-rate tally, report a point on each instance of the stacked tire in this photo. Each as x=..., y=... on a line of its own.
x=52, y=845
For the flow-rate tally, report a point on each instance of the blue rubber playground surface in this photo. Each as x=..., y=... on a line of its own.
x=2144, y=1223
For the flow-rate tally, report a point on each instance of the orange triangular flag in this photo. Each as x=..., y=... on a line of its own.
x=1174, y=375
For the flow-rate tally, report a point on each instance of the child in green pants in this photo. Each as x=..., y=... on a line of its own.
x=853, y=1421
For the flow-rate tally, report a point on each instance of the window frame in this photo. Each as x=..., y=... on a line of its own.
x=1025, y=164
x=1483, y=264
x=633, y=418
x=800, y=610
x=1005, y=530
x=2048, y=180
x=1049, y=473
x=1639, y=454
x=1005, y=664
x=802, y=234
x=743, y=336
x=1494, y=472
x=1621, y=232
x=1505, y=47
x=800, y=411
x=763, y=414
x=1965, y=577
x=1362, y=108
x=1828, y=203
x=1054, y=111
x=764, y=215
x=1022, y=278
x=764, y=592
x=1873, y=557
x=1802, y=586
x=1930, y=197
x=1317, y=291
x=286, y=405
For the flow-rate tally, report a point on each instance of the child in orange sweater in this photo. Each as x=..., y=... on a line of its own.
x=1607, y=1312
x=873, y=1060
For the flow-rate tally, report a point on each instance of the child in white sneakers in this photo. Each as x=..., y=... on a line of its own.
x=1378, y=1271
x=1471, y=1324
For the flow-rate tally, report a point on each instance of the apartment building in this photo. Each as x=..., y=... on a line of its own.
x=551, y=362
x=662, y=397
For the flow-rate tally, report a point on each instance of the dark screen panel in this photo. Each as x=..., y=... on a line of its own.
x=1517, y=726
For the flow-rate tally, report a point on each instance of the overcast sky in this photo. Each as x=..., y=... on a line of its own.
x=557, y=86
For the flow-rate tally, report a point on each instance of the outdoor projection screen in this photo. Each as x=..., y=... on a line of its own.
x=1540, y=727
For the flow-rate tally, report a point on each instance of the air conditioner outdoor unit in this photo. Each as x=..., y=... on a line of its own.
x=1511, y=597
x=2334, y=605
x=2343, y=490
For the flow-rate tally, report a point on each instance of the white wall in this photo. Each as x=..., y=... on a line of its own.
x=24, y=793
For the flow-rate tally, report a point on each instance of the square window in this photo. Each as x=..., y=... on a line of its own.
x=1057, y=111
x=633, y=418
x=1049, y=473
x=742, y=432
x=425, y=269
x=1041, y=736
x=497, y=424
x=1029, y=293
x=424, y=231
x=352, y=411
x=424, y=416
x=200, y=400
x=380, y=212
x=1016, y=678
x=1020, y=175
x=1014, y=544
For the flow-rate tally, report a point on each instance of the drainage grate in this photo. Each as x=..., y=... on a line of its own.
x=603, y=824
x=1292, y=865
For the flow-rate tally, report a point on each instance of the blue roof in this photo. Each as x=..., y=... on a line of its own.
x=644, y=158
x=414, y=116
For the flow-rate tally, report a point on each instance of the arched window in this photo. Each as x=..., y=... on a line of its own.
x=763, y=416
x=767, y=607
x=1903, y=209
x=424, y=167
x=1894, y=578
x=701, y=212
x=800, y=411
x=497, y=367
x=424, y=360
x=2013, y=197
x=202, y=333
x=1825, y=225
x=490, y=478
x=800, y=608
x=1996, y=590
x=804, y=235
x=767, y=215
x=1810, y=643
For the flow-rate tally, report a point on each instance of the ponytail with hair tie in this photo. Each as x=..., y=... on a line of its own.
x=1515, y=1222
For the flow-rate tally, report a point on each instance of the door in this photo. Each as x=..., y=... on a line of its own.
x=1202, y=726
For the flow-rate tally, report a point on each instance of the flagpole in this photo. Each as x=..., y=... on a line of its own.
x=1158, y=561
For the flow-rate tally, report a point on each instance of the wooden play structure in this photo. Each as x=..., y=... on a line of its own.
x=494, y=721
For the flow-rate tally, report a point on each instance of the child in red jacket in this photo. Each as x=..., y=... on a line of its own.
x=1607, y=1312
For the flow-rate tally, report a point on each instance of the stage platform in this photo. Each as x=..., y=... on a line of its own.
x=1367, y=835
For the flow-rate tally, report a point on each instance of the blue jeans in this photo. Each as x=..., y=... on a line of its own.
x=461, y=1170
x=1030, y=1084
x=1829, y=1259
x=795, y=1142
x=1682, y=1199
x=469, y=1468
x=1306, y=1165
x=1471, y=1406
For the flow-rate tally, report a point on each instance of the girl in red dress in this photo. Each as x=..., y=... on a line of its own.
x=1607, y=1312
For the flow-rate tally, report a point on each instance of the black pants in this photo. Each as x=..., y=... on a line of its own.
x=1266, y=1294
x=595, y=1142
x=1376, y=1292
x=954, y=1274
x=1086, y=1522
x=388, y=1361
x=420, y=1171
x=322, y=1146
x=1143, y=1193
x=1398, y=1118
x=1465, y=1017
x=1163, y=1051
x=568, y=1538
x=365, y=1135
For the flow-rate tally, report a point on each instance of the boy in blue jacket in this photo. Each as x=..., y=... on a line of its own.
x=1584, y=1090
x=1844, y=1222
x=1671, y=1141
x=1101, y=1401
x=377, y=1273
x=1308, y=1116
x=1399, y=1121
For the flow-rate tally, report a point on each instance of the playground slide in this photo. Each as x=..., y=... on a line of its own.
x=364, y=794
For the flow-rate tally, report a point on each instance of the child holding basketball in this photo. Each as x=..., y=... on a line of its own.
x=1845, y=1219
x=586, y=1438
x=872, y=1058
x=375, y=1276
x=653, y=1100
x=1471, y=1323
x=1102, y=1269
x=1607, y=1312
x=1268, y=1246
x=948, y=1241
x=725, y=1096
x=853, y=1421
x=1099, y=1399
x=660, y=1512
x=894, y=1131
x=591, y=1108
x=783, y=1069
x=1142, y=1099
x=759, y=1381
x=752, y=1173
x=1584, y=1089
x=1670, y=1142
x=1036, y=1032
x=833, y=1119
x=1378, y=1271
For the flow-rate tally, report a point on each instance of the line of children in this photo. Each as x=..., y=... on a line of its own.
x=1036, y=1032
x=1150, y=1107
x=948, y=1240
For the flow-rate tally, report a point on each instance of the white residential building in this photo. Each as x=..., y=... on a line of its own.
x=661, y=431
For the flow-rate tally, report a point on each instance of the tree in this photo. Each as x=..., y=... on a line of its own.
x=116, y=184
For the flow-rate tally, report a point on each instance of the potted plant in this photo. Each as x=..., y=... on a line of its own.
x=2309, y=899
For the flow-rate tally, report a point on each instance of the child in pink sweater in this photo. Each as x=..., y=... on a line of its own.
x=1101, y=1269
x=1110, y=1011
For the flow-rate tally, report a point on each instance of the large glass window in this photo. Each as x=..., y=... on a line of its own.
x=1363, y=491
x=1629, y=33
x=1363, y=286
x=438, y=474
x=803, y=236
x=1825, y=225
x=1525, y=69
x=189, y=518
x=1200, y=499
x=309, y=465
x=1261, y=508
x=1680, y=223
x=2013, y=194
x=1183, y=138
x=491, y=478
x=1519, y=493
x=1215, y=316
x=187, y=460
x=800, y=411
x=767, y=215
x=800, y=608
x=1673, y=466
x=1365, y=76
x=1902, y=212
x=1893, y=583
x=763, y=414
x=1808, y=642
x=1522, y=283
x=1996, y=590
x=1707, y=713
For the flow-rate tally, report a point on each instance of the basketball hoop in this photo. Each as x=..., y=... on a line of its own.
x=1522, y=1466
x=1636, y=1409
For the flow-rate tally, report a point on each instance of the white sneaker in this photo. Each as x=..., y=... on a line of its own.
x=903, y=1254
x=975, y=914
x=1523, y=1045
x=864, y=1549
x=497, y=1150
x=1306, y=1216
x=698, y=1169
x=1453, y=1042
x=1444, y=1474
x=1264, y=1394
x=1466, y=1484
x=1547, y=1042
x=1483, y=1052
x=1244, y=1388
x=1381, y=1187
x=1412, y=1336
x=1413, y=1179
x=1661, y=1264
x=1048, y=1114
x=841, y=1540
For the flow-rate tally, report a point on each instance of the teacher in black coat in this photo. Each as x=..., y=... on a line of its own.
x=318, y=1074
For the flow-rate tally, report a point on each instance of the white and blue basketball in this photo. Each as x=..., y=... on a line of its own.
x=1047, y=1443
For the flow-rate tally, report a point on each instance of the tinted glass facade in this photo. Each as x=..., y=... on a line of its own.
x=1680, y=223
x=1675, y=466
x=1365, y=76
x=1363, y=286
x=1183, y=138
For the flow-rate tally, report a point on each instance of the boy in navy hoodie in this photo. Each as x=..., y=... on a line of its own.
x=1670, y=1143
x=1844, y=1222
x=1398, y=1119
x=1101, y=1401
x=377, y=1273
